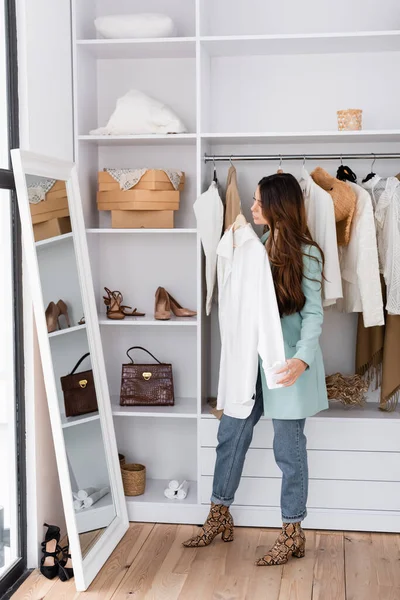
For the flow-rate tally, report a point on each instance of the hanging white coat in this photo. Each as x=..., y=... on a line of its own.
x=249, y=319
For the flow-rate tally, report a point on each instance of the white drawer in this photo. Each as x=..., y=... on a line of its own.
x=357, y=495
x=324, y=433
x=330, y=464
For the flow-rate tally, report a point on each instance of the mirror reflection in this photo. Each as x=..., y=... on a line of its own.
x=76, y=388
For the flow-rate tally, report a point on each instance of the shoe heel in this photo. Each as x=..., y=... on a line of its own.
x=228, y=535
x=299, y=553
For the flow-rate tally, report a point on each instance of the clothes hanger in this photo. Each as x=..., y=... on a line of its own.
x=280, y=170
x=344, y=173
x=215, y=178
x=371, y=174
x=240, y=220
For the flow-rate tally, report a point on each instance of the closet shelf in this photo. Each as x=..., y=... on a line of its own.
x=337, y=411
x=54, y=240
x=313, y=43
x=154, y=139
x=382, y=135
x=155, y=493
x=143, y=231
x=184, y=47
x=185, y=408
x=80, y=420
x=150, y=321
x=67, y=330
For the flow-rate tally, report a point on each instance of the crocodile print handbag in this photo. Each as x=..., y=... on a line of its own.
x=146, y=385
x=79, y=391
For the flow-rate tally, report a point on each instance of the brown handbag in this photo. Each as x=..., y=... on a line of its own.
x=79, y=391
x=146, y=385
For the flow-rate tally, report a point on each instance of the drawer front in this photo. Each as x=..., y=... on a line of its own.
x=358, y=466
x=324, y=433
x=356, y=495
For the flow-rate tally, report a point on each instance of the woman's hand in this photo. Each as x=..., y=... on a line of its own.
x=292, y=371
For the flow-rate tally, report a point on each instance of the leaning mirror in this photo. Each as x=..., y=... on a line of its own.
x=57, y=260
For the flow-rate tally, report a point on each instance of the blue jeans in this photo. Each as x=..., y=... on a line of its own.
x=290, y=451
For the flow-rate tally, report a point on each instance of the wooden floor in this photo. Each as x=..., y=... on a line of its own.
x=151, y=563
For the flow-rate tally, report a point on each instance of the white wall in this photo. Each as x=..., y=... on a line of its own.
x=46, y=127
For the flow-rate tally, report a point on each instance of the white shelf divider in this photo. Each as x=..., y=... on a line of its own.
x=173, y=231
x=184, y=47
x=67, y=330
x=312, y=43
x=184, y=408
x=79, y=420
x=149, y=321
x=54, y=240
x=144, y=140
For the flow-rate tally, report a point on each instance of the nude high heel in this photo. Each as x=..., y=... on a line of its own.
x=162, y=310
x=64, y=311
x=115, y=308
x=52, y=313
x=178, y=310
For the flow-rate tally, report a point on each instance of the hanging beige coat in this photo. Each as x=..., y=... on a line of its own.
x=232, y=202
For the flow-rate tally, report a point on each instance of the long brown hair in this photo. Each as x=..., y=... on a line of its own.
x=282, y=205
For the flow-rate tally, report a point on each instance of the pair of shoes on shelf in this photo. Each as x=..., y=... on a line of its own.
x=55, y=560
x=165, y=304
x=53, y=313
x=115, y=309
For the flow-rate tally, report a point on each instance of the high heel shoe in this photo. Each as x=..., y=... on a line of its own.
x=178, y=310
x=63, y=308
x=291, y=542
x=50, y=549
x=52, y=313
x=162, y=308
x=65, y=570
x=219, y=521
x=115, y=308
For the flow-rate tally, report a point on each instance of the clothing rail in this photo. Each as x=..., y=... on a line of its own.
x=281, y=157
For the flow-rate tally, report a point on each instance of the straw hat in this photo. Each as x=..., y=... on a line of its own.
x=344, y=202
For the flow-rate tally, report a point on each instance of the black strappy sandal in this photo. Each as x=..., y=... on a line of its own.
x=65, y=571
x=50, y=548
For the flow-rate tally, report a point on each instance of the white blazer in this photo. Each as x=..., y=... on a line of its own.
x=249, y=319
x=359, y=264
x=321, y=223
x=209, y=212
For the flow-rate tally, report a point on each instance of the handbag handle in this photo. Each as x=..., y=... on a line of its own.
x=141, y=348
x=79, y=362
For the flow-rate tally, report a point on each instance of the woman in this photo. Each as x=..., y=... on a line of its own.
x=296, y=264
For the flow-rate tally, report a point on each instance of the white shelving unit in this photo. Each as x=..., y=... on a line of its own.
x=256, y=77
x=67, y=330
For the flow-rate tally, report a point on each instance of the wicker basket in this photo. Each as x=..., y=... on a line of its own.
x=134, y=479
x=350, y=119
x=121, y=459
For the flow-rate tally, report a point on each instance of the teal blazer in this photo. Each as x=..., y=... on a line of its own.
x=301, y=332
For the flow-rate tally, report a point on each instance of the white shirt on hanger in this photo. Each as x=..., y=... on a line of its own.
x=359, y=264
x=249, y=319
x=209, y=212
x=322, y=225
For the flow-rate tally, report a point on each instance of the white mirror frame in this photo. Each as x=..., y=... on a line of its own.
x=85, y=569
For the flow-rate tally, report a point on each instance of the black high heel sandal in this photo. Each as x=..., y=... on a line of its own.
x=50, y=549
x=65, y=571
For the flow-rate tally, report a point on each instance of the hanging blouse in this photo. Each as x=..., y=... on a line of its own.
x=385, y=194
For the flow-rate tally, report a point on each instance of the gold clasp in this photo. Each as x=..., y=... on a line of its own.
x=146, y=376
x=83, y=383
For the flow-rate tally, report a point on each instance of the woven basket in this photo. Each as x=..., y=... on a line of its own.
x=350, y=119
x=134, y=479
x=121, y=459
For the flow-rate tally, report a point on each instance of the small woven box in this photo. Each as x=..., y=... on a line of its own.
x=350, y=119
x=134, y=479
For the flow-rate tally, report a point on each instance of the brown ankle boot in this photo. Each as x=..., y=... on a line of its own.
x=219, y=520
x=291, y=542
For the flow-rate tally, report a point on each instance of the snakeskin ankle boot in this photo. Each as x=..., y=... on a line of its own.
x=219, y=520
x=291, y=542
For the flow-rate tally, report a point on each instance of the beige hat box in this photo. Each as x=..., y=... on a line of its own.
x=50, y=217
x=150, y=204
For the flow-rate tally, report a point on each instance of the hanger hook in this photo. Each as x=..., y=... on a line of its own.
x=230, y=160
x=280, y=161
x=341, y=159
x=373, y=162
x=304, y=161
x=213, y=159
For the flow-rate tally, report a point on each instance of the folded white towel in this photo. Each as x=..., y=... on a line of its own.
x=173, y=484
x=78, y=504
x=86, y=492
x=93, y=498
x=170, y=494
